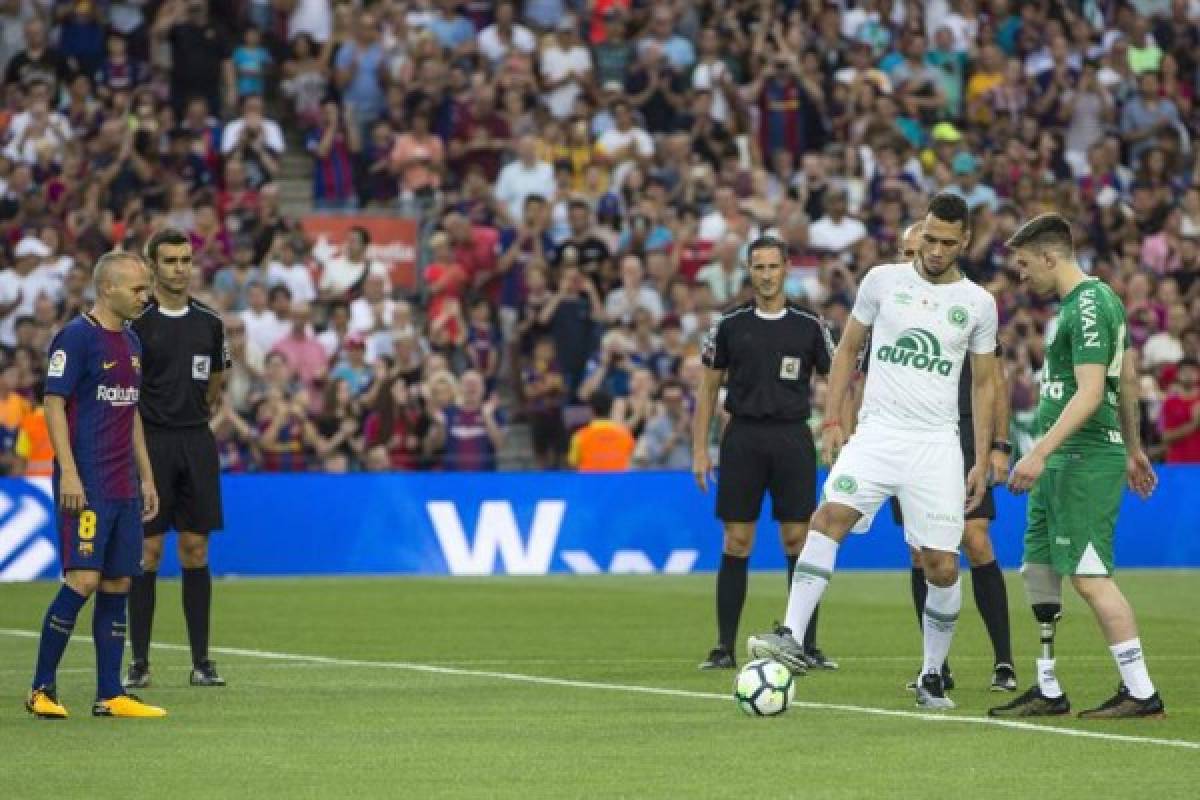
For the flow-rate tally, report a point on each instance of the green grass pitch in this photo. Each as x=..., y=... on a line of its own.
x=352, y=720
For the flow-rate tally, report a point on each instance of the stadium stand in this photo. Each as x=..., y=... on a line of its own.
x=393, y=203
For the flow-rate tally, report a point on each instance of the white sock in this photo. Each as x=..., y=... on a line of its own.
x=1047, y=679
x=942, y=605
x=814, y=566
x=1133, y=668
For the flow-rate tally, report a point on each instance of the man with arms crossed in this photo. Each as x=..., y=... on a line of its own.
x=1090, y=448
x=925, y=320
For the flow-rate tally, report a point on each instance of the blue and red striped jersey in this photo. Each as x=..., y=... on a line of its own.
x=99, y=373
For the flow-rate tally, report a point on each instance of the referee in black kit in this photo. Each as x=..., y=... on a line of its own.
x=183, y=360
x=765, y=352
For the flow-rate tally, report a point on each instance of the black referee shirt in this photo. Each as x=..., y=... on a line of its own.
x=180, y=352
x=768, y=360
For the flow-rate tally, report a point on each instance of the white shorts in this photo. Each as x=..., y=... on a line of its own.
x=925, y=475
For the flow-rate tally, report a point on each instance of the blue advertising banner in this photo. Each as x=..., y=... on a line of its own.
x=535, y=523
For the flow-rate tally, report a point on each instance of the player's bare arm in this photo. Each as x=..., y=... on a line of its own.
x=1140, y=474
x=1001, y=404
x=840, y=374
x=71, y=497
x=983, y=396
x=710, y=385
x=1087, y=398
x=145, y=472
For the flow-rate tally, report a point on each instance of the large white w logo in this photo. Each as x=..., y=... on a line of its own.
x=497, y=531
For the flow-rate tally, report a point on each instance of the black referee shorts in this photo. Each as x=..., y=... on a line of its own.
x=986, y=509
x=759, y=457
x=187, y=474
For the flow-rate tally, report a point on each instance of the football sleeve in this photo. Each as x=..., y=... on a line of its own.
x=67, y=362
x=983, y=335
x=866, y=304
x=823, y=357
x=221, y=360
x=1097, y=331
x=715, y=350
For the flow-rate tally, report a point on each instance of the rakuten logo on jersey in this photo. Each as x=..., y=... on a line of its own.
x=916, y=348
x=117, y=395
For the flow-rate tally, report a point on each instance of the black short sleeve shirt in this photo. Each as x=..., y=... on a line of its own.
x=181, y=351
x=768, y=360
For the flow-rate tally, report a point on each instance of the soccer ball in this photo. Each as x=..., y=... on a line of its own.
x=764, y=688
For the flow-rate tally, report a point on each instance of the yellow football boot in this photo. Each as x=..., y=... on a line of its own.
x=43, y=704
x=126, y=705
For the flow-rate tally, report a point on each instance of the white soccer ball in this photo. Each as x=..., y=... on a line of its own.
x=764, y=688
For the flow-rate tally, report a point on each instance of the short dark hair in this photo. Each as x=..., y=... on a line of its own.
x=767, y=243
x=950, y=207
x=363, y=234
x=1050, y=230
x=169, y=236
x=601, y=403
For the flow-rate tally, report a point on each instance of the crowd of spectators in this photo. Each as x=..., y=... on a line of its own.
x=586, y=175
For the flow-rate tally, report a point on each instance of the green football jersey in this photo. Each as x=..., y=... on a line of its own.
x=1090, y=330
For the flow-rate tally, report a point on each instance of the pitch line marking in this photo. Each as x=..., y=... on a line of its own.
x=654, y=690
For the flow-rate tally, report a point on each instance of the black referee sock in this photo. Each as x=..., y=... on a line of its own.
x=919, y=589
x=197, y=605
x=810, y=633
x=991, y=597
x=141, y=614
x=731, y=596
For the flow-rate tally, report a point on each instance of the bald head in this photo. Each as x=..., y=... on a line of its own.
x=117, y=268
x=910, y=240
x=122, y=284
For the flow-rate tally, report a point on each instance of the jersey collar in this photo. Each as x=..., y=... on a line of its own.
x=174, y=313
x=772, y=315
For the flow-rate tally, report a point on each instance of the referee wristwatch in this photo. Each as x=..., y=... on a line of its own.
x=1002, y=446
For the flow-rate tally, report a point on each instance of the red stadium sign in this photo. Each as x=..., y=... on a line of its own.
x=393, y=242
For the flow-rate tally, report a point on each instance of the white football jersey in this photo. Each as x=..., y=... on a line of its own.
x=920, y=335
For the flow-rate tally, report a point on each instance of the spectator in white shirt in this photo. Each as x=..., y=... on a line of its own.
x=1166, y=347
x=345, y=274
x=625, y=142
x=253, y=123
x=503, y=36
x=289, y=269
x=263, y=328
x=632, y=294
x=314, y=17
x=725, y=276
x=566, y=65
x=21, y=286
x=373, y=311
x=524, y=177
x=725, y=217
x=835, y=232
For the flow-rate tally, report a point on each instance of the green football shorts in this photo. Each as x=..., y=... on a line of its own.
x=1072, y=517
